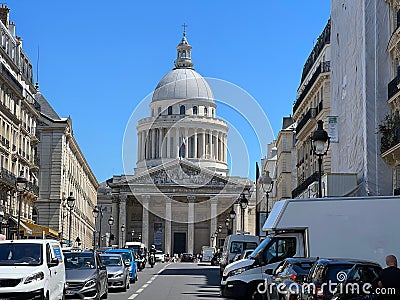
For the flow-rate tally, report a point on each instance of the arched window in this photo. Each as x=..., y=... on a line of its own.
x=169, y=110
x=195, y=110
x=182, y=110
x=205, y=111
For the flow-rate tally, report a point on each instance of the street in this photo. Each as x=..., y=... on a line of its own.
x=174, y=281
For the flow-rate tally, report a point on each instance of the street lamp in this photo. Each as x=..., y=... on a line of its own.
x=122, y=235
x=320, y=148
x=78, y=241
x=71, y=204
x=243, y=202
x=1, y=219
x=110, y=223
x=133, y=233
x=267, y=181
x=21, y=185
x=98, y=211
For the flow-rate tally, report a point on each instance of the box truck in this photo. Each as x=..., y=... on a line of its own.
x=354, y=227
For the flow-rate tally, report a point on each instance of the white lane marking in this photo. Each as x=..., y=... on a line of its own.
x=134, y=295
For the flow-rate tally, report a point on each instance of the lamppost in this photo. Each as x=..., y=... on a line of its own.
x=71, y=204
x=267, y=181
x=228, y=225
x=243, y=202
x=232, y=216
x=98, y=211
x=78, y=241
x=320, y=148
x=122, y=234
x=110, y=223
x=63, y=215
x=21, y=185
x=133, y=233
x=212, y=241
x=1, y=219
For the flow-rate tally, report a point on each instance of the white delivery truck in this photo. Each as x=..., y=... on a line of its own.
x=354, y=227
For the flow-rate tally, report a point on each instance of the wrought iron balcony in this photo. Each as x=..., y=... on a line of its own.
x=8, y=177
x=393, y=87
x=390, y=131
x=322, y=68
x=311, y=114
x=33, y=188
x=304, y=185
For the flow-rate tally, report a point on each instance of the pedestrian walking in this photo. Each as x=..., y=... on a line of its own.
x=389, y=278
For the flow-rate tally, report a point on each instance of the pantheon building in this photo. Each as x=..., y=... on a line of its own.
x=180, y=192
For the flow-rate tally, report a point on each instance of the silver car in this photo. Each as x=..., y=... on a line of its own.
x=117, y=269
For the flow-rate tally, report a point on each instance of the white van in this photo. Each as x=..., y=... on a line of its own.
x=31, y=269
x=235, y=244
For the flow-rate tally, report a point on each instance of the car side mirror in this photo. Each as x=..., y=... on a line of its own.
x=269, y=271
x=53, y=262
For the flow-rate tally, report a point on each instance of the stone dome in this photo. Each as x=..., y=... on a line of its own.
x=183, y=83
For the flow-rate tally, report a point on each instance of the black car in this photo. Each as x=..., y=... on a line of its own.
x=86, y=275
x=288, y=278
x=187, y=257
x=341, y=279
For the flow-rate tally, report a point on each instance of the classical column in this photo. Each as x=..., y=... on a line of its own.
x=187, y=148
x=195, y=143
x=213, y=221
x=216, y=146
x=191, y=200
x=138, y=146
x=160, y=142
x=115, y=215
x=168, y=233
x=168, y=141
x=145, y=220
x=210, y=145
x=143, y=145
x=203, y=154
x=122, y=218
x=153, y=143
x=177, y=141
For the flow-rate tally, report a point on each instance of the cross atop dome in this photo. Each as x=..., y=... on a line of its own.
x=184, y=60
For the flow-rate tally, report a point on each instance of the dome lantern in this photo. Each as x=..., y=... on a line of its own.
x=184, y=59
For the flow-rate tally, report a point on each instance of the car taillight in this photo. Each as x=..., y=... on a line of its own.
x=319, y=292
x=294, y=276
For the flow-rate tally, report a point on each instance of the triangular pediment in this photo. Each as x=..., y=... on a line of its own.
x=179, y=172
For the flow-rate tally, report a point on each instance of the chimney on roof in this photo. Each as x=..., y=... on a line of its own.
x=4, y=12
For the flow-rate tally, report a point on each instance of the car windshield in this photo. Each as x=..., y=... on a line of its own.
x=111, y=260
x=79, y=260
x=21, y=254
x=260, y=248
x=125, y=255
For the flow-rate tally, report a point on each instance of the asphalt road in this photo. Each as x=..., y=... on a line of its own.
x=175, y=281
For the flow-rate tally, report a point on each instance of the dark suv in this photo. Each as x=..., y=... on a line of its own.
x=344, y=278
x=86, y=275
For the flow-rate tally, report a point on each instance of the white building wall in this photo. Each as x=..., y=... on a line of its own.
x=360, y=72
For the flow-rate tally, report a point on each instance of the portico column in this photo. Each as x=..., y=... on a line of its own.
x=177, y=141
x=216, y=147
x=122, y=218
x=153, y=143
x=160, y=143
x=203, y=154
x=213, y=221
x=191, y=200
x=195, y=143
x=168, y=141
x=186, y=146
x=210, y=146
x=145, y=219
x=168, y=233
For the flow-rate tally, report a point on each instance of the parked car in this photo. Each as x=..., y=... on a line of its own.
x=290, y=276
x=160, y=256
x=340, y=272
x=187, y=257
x=86, y=275
x=117, y=270
x=31, y=269
x=127, y=255
x=216, y=258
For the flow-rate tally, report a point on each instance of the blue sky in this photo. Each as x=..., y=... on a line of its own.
x=100, y=59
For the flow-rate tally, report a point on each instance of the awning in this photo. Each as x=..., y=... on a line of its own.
x=25, y=228
x=38, y=230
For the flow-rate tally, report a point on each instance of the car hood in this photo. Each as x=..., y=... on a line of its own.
x=14, y=272
x=79, y=274
x=238, y=264
x=113, y=270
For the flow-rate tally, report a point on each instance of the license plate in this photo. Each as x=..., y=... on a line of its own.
x=67, y=292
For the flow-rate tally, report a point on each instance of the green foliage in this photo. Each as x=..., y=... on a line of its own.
x=390, y=131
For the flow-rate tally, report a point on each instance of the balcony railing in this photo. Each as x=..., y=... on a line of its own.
x=322, y=68
x=304, y=185
x=390, y=131
x=7, y=176
x=393, y=87
x=33, y=188
x=311, y=114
